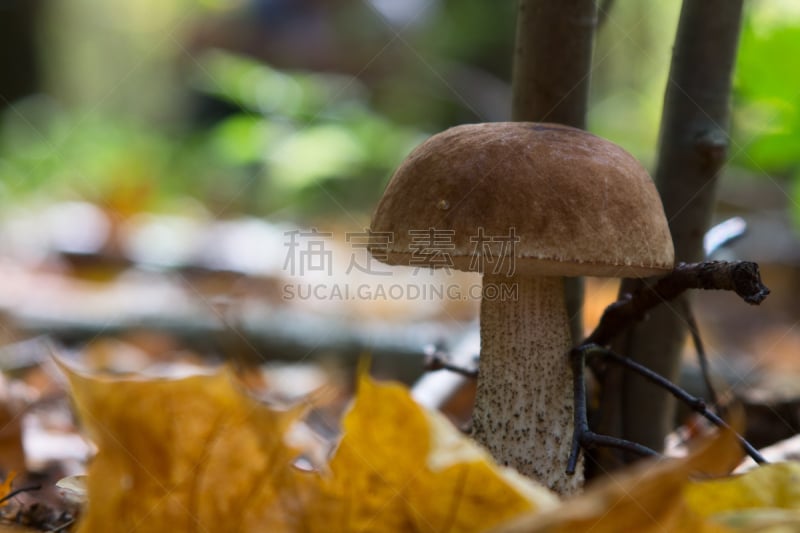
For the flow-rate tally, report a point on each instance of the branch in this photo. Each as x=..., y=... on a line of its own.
x=586, y=439
x=694, y=403
x=553, y=59
x=693, y=144
x=603, y=12
x=16, y=492
x=439, y=361
x=552, y=70
x=582, y=436
x=741, y=277
x=702, y=358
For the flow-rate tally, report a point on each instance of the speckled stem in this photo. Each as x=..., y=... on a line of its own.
x=523, y=409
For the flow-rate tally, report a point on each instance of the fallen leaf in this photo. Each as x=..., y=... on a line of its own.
x=14, y=400
x=5, y=487
x=72, y=490
x=199, y=454
x=763, y=498
x=648, y=497
x=179, y=455
x=402, y=468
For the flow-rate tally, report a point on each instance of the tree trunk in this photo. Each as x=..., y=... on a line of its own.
x=19, y=68
x=693, y=148
x=552, y=68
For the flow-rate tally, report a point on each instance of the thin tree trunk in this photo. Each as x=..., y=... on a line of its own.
x=552, y=68
x=693, y=148
x=19, y=65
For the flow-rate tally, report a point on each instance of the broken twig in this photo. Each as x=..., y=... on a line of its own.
x=741, y=277
x=584, y=438
x=439, y=361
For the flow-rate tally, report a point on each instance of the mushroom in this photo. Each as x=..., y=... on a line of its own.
x=526, y=204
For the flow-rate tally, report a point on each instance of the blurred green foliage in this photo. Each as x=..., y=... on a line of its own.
x=767, y=94
x=630, y=68
x=291, y=138
x=120, y=126
x=301, y=135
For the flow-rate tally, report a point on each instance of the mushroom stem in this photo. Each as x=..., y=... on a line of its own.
x=523, y=409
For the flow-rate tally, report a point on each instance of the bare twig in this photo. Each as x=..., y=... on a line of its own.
x=552, y=71
x=584, y=438
x=438, y=361
x=19, y=491
x=693, y=144
x=696, y=404
x=63, y=527
x=603, y=12
x=741, y=277
x=702, y=357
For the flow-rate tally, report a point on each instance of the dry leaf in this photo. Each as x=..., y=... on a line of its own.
x=14, y=399
x=764, y=499
x=179, y=455
x=72, y=490
x=199, y=454
x=645, y=498
x=5, y=488
x=401, y=468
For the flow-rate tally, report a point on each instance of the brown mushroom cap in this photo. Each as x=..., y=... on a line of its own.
x=579, y=204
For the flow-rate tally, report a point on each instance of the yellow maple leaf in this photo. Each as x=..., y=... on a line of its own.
x=646, y=498
x=198, y=454
x=5, y=488
x=764, y=499
x=401, y=468
x=179, y=455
